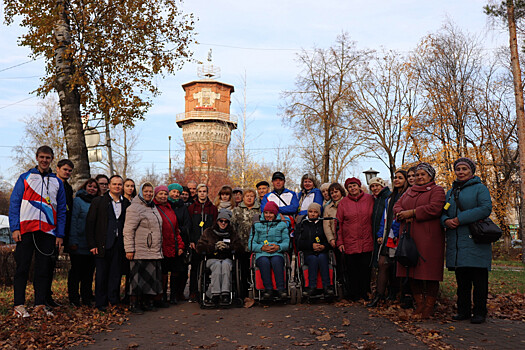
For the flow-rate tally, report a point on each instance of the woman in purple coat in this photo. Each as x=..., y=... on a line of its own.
x=421, y=206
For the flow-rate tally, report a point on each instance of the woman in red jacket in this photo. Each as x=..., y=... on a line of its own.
x=172, y=244
x=421, y=206
x=355, y=240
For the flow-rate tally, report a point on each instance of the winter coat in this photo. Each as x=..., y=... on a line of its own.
x=309, y=232
x=274, y=232
x=38, y=203
x=428, y=201
x=286, y=201
x=171, y=239
x=243, y=219
x=355, y=218
x=183, y=219
x=77, y=233
x=210, y=237
x=329, y=226
x=143, y=231
x=476, y=202
x=307, y=198
x=205, y=213
x=97, y=221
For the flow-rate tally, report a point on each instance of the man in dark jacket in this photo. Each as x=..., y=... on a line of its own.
x=203, y=214
x=104, y=226
x=380, y=192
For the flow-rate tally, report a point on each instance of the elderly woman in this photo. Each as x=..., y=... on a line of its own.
x=218, y=243
x=419, y=210
x=82, y=261
x=269, y=240
x=143, y=246
x=309, y=194
x=387, y=239
x=468, y=201
x=355, y=239
x=172, y=244
x=243, y=218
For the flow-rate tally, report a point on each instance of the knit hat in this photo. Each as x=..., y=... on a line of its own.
x=224, y=214
x=262, y=183
x=175, y=186
x=272, y=208
x=278, y=175
x=428, y=168
x=161, y=188
x=315, y=206
x=466, y=161
x=352, y=180
x=376, y=180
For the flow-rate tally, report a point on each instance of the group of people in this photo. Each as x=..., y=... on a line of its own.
x=155, y=235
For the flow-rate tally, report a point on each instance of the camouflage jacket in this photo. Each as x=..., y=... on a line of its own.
x=243, y=219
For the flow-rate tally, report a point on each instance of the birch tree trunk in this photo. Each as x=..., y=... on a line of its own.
x=69, y=98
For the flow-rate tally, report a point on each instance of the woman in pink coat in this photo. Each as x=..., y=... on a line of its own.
x=421, y=206
x=355, y=239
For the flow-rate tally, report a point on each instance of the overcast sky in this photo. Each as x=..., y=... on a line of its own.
x=259, y=38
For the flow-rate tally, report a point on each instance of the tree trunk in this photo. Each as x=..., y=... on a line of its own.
x=69, y=98
x=520, y=112
x=326, y=152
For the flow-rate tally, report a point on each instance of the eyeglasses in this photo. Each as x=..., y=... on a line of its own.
x=223, y=221
x=102, y=183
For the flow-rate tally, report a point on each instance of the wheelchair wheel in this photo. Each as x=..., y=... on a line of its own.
x=293, y=295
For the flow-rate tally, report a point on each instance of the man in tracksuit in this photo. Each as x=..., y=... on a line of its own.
x=37, y=218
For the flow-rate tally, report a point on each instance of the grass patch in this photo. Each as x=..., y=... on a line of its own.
x=506, y=262
x=500, y=282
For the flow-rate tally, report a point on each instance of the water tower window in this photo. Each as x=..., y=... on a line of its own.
x=204, y=156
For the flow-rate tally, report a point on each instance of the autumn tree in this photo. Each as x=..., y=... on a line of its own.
x=44, y=128
x=383, y=102
x=316, y=108
x=102, y=57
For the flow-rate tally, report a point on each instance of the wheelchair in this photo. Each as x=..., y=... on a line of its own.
x=256, y=286
x=204, y=280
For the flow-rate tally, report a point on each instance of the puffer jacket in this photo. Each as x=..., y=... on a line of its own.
x=143, y=230
x=355, y=217
x=307, y=198
x=461, y=251
x=77, y=235
x=268, y=232
x=171, y=239
x=243, y=219
x=309, y=232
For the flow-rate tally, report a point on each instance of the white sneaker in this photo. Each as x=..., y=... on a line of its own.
x=20, y=311
x=42, y=309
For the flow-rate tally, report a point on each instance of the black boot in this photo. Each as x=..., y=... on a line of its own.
x=377, y=299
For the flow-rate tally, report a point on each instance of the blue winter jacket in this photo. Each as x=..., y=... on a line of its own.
x=288, y=203
x=77, y=235
x=461, y=251
x=275, y=232
x=314, y=196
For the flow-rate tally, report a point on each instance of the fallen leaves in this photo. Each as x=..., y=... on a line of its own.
x=325, y=337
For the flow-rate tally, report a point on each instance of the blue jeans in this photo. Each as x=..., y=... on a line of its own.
x=318, y=263
x=268, y=263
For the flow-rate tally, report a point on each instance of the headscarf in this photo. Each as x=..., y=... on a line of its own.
x=428, y=169
x=141, y=196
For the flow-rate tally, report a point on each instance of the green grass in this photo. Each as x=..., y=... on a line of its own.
x=500, y=282
x=507, y=263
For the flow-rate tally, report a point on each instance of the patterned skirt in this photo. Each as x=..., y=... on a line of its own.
x=146, y=277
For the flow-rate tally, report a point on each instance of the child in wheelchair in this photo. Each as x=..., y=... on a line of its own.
x=311, y=240
x=269, y=240
x=218, y=244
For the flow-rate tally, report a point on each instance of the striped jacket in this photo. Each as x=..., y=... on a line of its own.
x=38, y=203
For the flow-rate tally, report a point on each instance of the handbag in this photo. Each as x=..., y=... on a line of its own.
x=483, y=231
x=406, y=253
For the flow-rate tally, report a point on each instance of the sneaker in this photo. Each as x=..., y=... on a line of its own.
x=193, y=298
x=283, y=294
x=43, y=309
x=215, y=299
x=307, y=292
x=267, y=295
x=225, y=300
x=20, y=311
x=329, y=292
x=477, y=319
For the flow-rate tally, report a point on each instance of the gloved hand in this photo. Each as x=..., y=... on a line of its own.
x=220, y=245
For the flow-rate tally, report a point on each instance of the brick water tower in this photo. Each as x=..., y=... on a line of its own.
x=206, y=126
